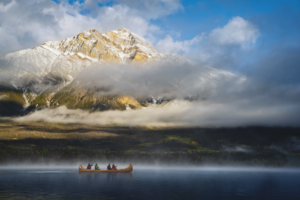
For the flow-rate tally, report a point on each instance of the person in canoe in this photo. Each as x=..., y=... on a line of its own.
x=97, y=167
x=109, y=167
x=89, y=166
x=114, y=167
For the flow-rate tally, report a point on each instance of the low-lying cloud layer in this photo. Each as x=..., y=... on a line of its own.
x=168, y=78
x=219, y=98
x=178, y=114
x=223, y=99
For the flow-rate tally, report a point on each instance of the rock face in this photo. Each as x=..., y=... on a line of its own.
x=119, y=46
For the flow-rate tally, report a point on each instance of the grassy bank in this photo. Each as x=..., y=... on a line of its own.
x=242, y=146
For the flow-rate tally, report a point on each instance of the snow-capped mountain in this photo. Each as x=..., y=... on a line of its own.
x=68, y=57
x=46, y=76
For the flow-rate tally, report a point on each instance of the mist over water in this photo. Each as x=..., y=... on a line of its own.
x=158, y=167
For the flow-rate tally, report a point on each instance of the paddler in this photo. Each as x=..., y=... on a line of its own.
x=109, y=167
x=97, y=167
x=114, y=167
x=89, y=166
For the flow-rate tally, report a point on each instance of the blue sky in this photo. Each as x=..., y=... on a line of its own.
x=247, y=37
x=202, y=16
x=199, y=16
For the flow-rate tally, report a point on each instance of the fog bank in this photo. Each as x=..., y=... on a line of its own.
x=215, y=97
x=177, y=113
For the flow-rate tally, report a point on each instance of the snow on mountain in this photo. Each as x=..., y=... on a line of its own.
x=68, y=57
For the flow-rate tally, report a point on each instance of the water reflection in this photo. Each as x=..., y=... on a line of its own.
x=88, y=176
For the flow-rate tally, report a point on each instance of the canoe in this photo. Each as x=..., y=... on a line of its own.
x=128, y=169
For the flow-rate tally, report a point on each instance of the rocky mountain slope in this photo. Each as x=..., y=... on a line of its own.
x=45, y=76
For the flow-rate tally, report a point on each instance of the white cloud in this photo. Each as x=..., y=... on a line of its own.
x=109, y=18
x=192, y=114
x=149, y=9
x=25, y=24
x=168, y=45
x=237, y=32
x=216, y=48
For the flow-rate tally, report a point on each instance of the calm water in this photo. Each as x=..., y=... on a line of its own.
x=204, y=183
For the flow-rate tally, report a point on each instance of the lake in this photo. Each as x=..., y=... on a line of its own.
x=151, y=183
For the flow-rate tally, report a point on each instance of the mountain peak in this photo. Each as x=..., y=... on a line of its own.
x=120, y=46
x=68, y=57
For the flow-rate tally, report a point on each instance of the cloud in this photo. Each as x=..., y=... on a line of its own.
x=219, y=44
x=108, y=18
x=170, y=78
x=238, y=31
x=149, y=9
x=279, y=67
x=25, y=24
x=169, y=46
x=237, y=149
x=292, y=144
x=192, y=114
x=224, y=99
x=6, y=5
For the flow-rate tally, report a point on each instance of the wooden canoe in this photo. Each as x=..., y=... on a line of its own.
x=128, y=169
